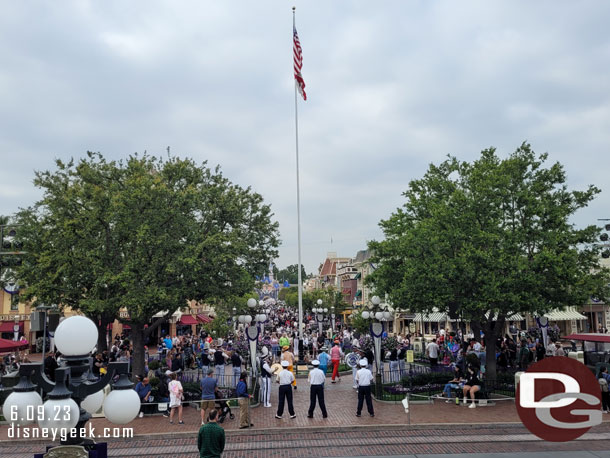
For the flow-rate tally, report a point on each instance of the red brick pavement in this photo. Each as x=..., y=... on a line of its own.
x=458, y=430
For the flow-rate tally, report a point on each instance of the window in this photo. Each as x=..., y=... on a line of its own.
x=14, y=302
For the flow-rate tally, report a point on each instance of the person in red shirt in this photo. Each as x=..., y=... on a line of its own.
x=335, y=358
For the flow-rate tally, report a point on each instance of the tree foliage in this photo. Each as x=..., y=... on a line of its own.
x=145, y=234
x=489, y=239
x=290, y=273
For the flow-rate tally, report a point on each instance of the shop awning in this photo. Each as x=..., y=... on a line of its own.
x=7, y=326
x=358, y=275
x=513, y=317
x=9, y=345
x=359, y=293
x=187, y=320
x=204, y=318
x=564, y=315
x=433, y=317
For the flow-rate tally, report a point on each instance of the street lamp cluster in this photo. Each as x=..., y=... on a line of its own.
x=76, y=393
x=258, y=317
x=379, y=315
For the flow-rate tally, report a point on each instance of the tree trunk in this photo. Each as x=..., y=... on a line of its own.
x=102, y=333
x=491, y=335
x=137, y=358
x=476, y=330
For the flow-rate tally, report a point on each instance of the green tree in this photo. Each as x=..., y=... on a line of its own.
x=487, y=239
x=144, y=234
x=290, y=273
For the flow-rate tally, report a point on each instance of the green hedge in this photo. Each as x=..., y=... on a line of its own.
x=429, y=378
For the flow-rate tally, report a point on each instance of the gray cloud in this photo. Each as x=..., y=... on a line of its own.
x=392, y=86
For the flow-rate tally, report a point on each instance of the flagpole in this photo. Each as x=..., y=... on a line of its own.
x=296, y=125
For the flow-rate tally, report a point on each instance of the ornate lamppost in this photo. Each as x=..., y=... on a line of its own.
x=376, y=329
x=319, y=314
x=76, y=393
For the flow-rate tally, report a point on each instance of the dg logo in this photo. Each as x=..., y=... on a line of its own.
x=559, y=399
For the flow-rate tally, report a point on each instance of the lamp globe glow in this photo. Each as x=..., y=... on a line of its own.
x=21, y=408
x=251, y=303
x=247, y=319
x=379, y=315
x=325, y=310
x=375, y=300
x=387, y=315
x=76, y=336
x=122, y=406
x=240, y=318
x=319, y=302
x=365, y=315
x=261, y=303
x=60, y=413
x=93, y=402
x=262, y=318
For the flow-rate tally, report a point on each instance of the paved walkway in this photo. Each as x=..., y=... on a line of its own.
x=426, y=441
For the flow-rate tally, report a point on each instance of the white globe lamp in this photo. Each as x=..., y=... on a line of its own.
x=325, y=310
x=122, y=406
x=76, y=336
x=21, y=408
x=93, y=402
x=251, y=303
x=319, y=302
x=60, y=413
x=375, y=300
x=247, y=319
x=379, y=315
x=365, y=315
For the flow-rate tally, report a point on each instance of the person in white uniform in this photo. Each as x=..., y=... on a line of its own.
x=316, y=379
x=364, y=377
x=266, y=374
x=285, y=393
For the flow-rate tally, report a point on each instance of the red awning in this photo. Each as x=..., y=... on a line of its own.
x=7, y=326
x=125, y=326
x=204, y=318
x=588, y=337
x=187, y=320
x=9, y=345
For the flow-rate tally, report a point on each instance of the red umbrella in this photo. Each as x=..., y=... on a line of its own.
x=10, y=345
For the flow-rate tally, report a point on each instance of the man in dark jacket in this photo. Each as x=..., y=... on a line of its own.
x=211, y=438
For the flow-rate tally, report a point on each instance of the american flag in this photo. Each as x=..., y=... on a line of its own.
x=298, y=64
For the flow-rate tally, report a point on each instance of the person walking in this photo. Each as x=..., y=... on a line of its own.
x=335, y=358
x=364, y=377
x=211, y=438
x=285, y=392
x=316, y=380
x=175, y=399
x=209, y=387
x=266, y=381
x=244, y=401
x=394, y=372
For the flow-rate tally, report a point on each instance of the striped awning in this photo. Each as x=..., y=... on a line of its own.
x=433, y=317
x=513, y=317
x=564, y=315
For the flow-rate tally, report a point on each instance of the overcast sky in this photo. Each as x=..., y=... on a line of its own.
x=391, y=85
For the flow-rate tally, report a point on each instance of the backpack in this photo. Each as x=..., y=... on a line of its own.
x=603, y=383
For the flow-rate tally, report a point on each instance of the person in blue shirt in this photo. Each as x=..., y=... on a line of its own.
x=324, y=358
x=244, y=401
x=143, y=389
x=168, y=342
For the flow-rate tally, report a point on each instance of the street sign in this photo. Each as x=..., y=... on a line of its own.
x=410, y=356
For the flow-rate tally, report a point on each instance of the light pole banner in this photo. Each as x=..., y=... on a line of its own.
x=252, y=335
x=376, y=332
